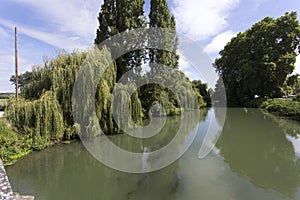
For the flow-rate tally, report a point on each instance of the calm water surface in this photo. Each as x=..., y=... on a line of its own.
x=256, y=157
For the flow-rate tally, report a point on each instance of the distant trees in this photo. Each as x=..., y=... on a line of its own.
x=293, y=84
x=257, y=61
x=22, y=79
x=203, y=91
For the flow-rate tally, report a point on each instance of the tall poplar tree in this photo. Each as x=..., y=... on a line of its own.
x=160, y=17
x=161, y=60
x=107, y=22
x=117, y=16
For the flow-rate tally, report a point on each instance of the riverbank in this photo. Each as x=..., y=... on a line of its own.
x=283, y=107
x=14, y=145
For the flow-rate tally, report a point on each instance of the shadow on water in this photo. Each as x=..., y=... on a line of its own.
x=255, y=146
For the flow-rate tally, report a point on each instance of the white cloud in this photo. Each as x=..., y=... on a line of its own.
x=189, y=70
x=183, y=64
x=69, y=24
x=218, y=43
x=56, y=39
x=201, y=19
x=64, y=24
x=77, y=17
x=297, y=65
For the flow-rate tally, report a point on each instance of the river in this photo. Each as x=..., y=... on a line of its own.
x=256, y=157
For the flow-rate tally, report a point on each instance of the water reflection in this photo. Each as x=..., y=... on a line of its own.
x=256, y=147
x=70, y=172
x=254, y=160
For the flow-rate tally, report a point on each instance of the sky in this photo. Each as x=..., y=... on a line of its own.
x=46, y=27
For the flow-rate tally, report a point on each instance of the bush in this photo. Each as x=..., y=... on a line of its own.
x=12, y=145
x=297, y=98
x=284, y=107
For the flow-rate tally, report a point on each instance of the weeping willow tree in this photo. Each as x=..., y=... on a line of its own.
x=63, y=74
x=100, y=76
x=128, y=108
x=44, y=113
x=41, y=119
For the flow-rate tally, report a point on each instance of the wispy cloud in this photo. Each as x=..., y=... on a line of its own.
x=189, y=70
x=69, y=24
x=7, y=63
x=218, y=43
x=59, y=40
x=7, y=68
x=3, y=34
x=202, y=19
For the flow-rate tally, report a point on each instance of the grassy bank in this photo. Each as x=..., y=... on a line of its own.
x=283, y=107
x=3, y=102
x=13, y=145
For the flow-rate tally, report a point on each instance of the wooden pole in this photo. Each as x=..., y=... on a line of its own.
x=16, y=62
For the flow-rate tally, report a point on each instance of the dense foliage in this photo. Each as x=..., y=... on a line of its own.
x=284, y=107
x=46, y=114
x=160, y=17
x=13, y=145
x=41, y=119
x=257, y=61
x=23, y=79
x=117, y=16
x=203, y=91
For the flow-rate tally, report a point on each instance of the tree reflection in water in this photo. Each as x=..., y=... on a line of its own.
x=260, y=151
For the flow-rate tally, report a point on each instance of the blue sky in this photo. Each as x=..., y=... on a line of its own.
x=48, y=26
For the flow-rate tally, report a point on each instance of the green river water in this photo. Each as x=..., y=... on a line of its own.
x=257, y=156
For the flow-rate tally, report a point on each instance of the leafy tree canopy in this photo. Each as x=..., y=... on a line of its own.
x=258, y=61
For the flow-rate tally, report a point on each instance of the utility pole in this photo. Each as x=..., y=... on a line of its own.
x=16, y=61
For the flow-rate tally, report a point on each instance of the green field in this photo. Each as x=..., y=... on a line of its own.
x=3, y=98
x=3, y=102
